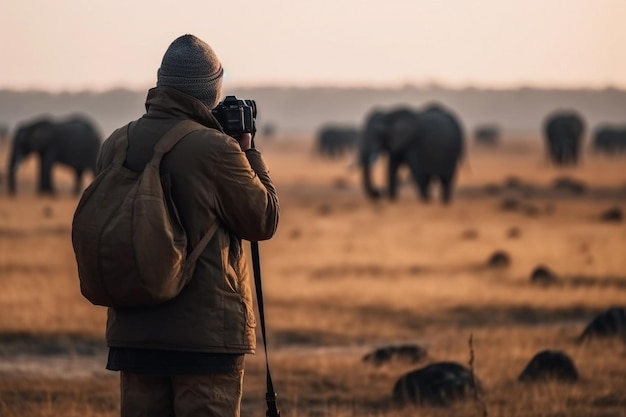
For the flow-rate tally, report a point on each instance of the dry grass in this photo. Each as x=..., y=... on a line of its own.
x=343, y=276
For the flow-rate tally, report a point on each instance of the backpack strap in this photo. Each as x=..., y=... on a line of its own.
x=172, y=137
x=120, y=139
x=195, y=253
x=163, y=146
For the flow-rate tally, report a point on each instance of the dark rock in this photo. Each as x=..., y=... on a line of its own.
x=515, y=204
x=438, y=384
x=513, y=233
x=324, y=209
x=341, y=184
x=402, y=353
x=570, y=185
x=492, y=189
x=499, y=259
x=611, y=323
x=542, y=275
x=470, y=234
x=513, y=182
x=549, y=365
x=510, y=204
x=531, y=211
x=614, y=214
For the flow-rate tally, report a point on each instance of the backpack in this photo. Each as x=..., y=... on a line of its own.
x=130, y=246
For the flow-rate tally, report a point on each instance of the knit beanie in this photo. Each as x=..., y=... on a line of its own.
x=191, y=66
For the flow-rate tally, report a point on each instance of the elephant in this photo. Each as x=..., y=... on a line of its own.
x=335, y=141
x=487, y=135
x=610, y=140
x=430, y=142
x=563, y=132
x=74, y=142
x=268, y=130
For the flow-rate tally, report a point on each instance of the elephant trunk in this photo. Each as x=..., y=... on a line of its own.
x=366, y=166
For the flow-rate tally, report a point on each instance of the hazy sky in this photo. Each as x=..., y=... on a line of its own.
x=97, y=44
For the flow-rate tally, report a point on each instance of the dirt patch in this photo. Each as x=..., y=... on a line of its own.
x=11, y=233
x=20, y=344
x=370, y=271
x=25, y=269
x=520, y=315
x=64, y=356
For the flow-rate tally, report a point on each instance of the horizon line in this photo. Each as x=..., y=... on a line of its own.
x=330, y=86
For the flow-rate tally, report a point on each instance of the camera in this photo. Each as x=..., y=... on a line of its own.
x=236, y=116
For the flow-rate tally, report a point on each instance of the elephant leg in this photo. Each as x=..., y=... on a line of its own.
x=371, y=192
x=575, y=155
x=392, y=176
x=45, y=174
x=421, y=178
x=562, y=155
x=78, y=182
x=423, y=185
x=566, y=155
x=447, y=181
x=423, y=181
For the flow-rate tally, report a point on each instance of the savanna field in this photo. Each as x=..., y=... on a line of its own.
x=344, y=276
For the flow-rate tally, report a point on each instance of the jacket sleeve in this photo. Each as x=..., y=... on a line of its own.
x=246, y=198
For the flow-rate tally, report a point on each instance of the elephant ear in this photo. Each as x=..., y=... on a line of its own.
x=38, y=135
x=371, y=139
x=404, y=131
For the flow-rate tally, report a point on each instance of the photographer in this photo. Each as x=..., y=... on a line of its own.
x=185, y=357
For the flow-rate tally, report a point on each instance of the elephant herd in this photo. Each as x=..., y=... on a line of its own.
x=336, y=141
x=487, y=135
x=564, y=132
x=430, y=143
x=73, y=142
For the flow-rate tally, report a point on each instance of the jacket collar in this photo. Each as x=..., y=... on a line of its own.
x=167, y=101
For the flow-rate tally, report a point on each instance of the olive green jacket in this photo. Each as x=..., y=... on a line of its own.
x=212, y=180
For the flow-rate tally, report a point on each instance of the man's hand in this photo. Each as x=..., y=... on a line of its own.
x=245, y=141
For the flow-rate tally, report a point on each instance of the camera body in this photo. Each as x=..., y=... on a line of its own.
x=236, y=116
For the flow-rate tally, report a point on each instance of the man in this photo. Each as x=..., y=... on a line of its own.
x=185, y=357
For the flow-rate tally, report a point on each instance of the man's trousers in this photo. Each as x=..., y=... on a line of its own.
x=211, y=395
